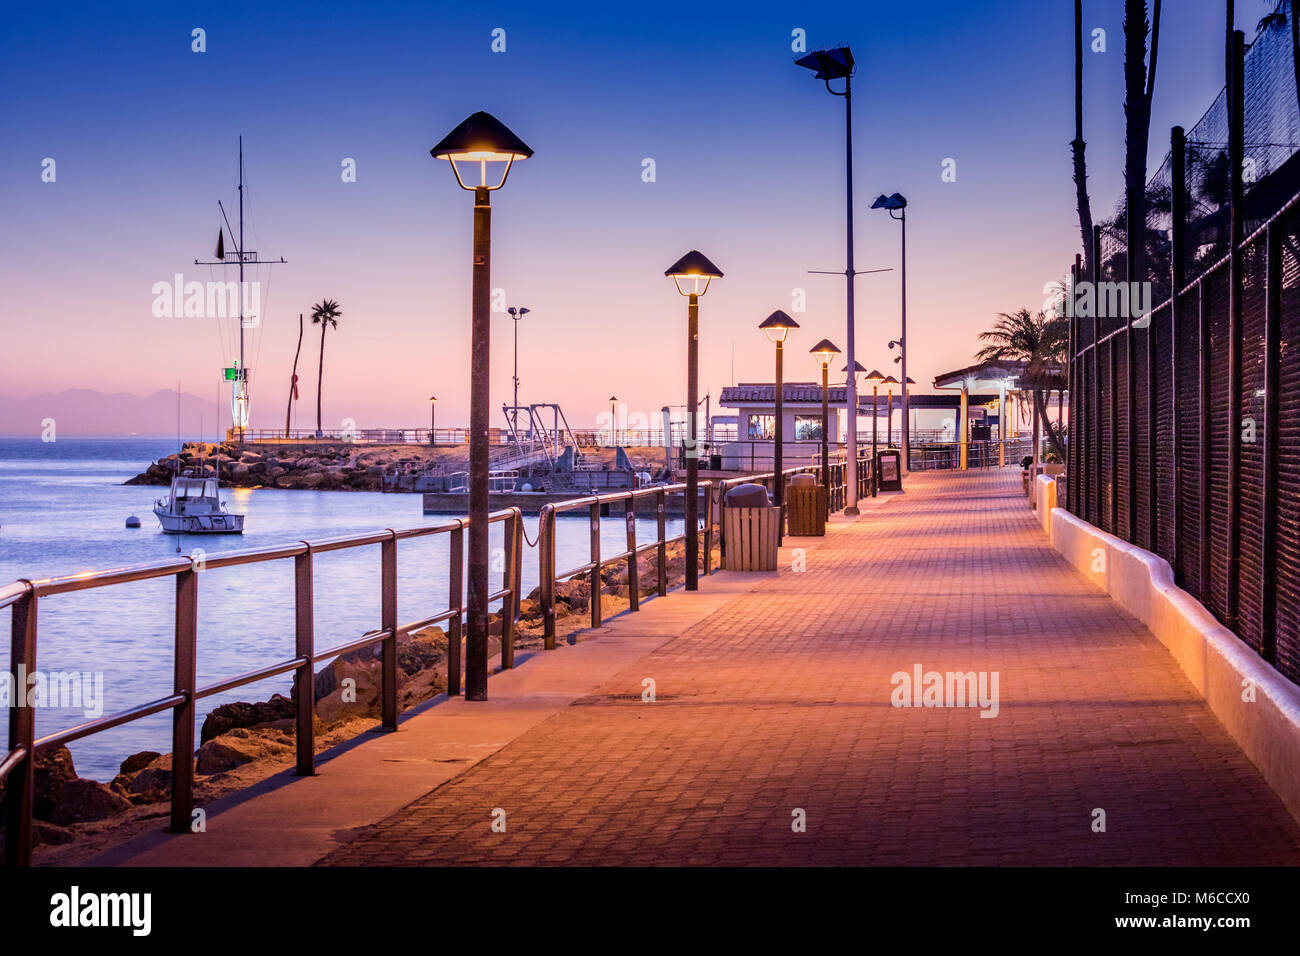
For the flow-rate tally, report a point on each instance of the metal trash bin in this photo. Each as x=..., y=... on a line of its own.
x=805, y=502
x=749, y=529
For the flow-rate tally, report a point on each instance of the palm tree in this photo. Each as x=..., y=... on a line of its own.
x=1077, y=145
x=326, y=314
x=293, y=382
x=1040, y=341
x=1139, y=86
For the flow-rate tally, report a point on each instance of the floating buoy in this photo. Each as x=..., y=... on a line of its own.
x=132, y=521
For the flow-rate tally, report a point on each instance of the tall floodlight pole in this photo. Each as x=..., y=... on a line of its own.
x=692, y=274
x=516, y=314
x=898, y=203
x=480, y=140
x=834, y=64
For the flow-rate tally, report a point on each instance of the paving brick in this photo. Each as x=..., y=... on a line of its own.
x=780, y=699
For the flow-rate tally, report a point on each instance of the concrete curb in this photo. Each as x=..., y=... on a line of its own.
x=1218, y=663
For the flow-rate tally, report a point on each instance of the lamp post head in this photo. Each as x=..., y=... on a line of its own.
x=777, y=325
x=481, y=139
x=833, y=63
x=695, y=268
x=875, y=378
x=858, y=367
x=896, y=201
x=433, y=398
x=823, y=351
x=891, y=381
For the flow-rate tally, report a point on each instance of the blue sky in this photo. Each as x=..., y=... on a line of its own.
x=749, y=169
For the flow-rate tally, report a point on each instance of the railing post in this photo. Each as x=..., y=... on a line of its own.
x=388, y=613
x=184, y=684
x=1203, y=388
x=661, y=516
x=20, y=785
x=1095, y=442
x=304, y=646
x=511, y=601
x=1236, y=159
x=633, y=587
x=595, y=564
x=1114, y=440
x=1272, y=449
x=456, y=603
x=1178, y=274
x=546, y=573
x=710, y=490
x=1072, y=448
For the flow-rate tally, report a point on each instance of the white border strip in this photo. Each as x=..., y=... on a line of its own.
x=1218, y=663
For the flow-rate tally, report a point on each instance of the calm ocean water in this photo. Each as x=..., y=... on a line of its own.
x=63, y=508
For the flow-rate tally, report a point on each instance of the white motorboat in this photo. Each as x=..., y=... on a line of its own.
x=194, y=507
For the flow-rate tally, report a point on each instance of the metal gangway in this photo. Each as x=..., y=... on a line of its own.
x=538, y=442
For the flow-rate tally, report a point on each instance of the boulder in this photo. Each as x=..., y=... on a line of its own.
x=54, y=771
x=84, y=800
x=243, y=714
x=238, y=747
x=137, y=762
x=575, y=593
x=153, y=780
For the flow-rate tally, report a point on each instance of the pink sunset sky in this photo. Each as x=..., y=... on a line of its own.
x=748, y=154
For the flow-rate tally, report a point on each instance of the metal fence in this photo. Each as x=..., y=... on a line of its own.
x=24, y=597
x=1187, y=421
x=933, y=456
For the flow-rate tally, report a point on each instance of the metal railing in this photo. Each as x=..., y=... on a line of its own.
x=931, y=456
x=17, y=768
x=714, y=494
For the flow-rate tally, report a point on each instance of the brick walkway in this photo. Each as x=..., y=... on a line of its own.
x=780, y=700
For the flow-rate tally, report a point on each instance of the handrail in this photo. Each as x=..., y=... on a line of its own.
x=17, y=765
x=713, y=491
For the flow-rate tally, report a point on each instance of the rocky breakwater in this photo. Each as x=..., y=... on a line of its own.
x=337, y=467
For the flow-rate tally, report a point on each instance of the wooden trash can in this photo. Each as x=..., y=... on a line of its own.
x=750, y=538
x=806, y=510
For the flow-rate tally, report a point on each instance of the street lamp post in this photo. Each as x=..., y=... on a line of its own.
x=823, y=351
x=852, y=414
x=836, y=64
x=433, y=418
x=897, y=202
x=776, y=327
x=692, y=274
x=875, y=378
x=516, y=314
x=480, y=140
x=889, y=384
x=613, y=419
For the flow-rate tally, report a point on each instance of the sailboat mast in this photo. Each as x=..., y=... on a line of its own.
x=243, y=366
x=239, y=409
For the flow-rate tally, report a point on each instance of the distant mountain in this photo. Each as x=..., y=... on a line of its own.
x=85, y=412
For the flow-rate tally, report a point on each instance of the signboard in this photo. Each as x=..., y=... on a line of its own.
x=888, y=471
